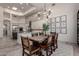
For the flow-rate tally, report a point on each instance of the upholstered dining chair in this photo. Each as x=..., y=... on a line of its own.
x=54, y=40
x=47, y=45
x=28, y=48
x=41, y=33
x=34, y=34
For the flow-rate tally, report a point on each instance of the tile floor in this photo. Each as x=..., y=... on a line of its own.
x=9, y=47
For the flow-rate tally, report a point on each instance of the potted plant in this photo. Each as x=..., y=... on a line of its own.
x=45, y=28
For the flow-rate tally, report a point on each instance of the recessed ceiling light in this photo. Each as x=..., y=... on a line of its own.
x=14, y=8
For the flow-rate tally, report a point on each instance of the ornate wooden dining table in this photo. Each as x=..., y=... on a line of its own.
x=38, y=39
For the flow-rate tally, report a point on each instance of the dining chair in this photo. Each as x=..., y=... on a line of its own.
x=35, y=34
x=41, y=33
x=54, y=41
x=46, y=45
x=28, y=48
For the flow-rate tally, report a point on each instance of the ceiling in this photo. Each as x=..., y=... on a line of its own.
x=21, y=7
x=24, y=7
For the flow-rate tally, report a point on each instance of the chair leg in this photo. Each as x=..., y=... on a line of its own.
x=39, y=53
x=53, y=47
x=51, y=50
x=23, y=53
x=56, y=45
x=46, y=52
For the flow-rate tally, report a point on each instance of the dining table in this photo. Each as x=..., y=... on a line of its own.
x=38, y=39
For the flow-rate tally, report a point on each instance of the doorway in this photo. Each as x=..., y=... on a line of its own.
x=7, y=28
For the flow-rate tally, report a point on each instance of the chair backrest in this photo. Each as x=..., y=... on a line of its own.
x=26, y=43
x=34, y=34
x=53, y=33
x=41, y=33
x=49, y=40
x=56, y=36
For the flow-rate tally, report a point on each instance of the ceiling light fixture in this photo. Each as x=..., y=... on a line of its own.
x=14, y=8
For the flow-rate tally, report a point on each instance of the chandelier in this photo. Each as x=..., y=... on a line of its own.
x=46, y=10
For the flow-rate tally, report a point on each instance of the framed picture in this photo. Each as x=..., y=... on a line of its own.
x=63, y=24
x=63, y=30
x=57, y=19
x=58, y=30
x=53, y=30
x=58, y=25
x=63, y=18
x=53, y=24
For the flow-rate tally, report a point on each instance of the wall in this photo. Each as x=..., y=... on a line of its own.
x=18, y=20
x=38, y=24
x=70, y=10
x=1, y=22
